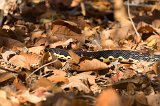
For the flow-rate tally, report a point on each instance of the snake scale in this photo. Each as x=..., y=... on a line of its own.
x=125, y=56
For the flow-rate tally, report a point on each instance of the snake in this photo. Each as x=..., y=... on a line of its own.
x=123, y=56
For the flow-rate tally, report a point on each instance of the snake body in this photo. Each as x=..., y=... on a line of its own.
x=126, y=56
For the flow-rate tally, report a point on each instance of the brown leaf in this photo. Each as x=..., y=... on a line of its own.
x=37, y=34
x=118, y=76
x=156, y=68
x=36, y=49
x=7, y=55
x=11, y=43
x=19, y=85
x=75, y=3
x=141, y=99
x=120, y=14
x=64, y=30
x=6, y=76
x=92, y=65
x=127, y=100
x=5, y=102
x=58, y=2
x=153, y=99
x=26, y=96
x=76, y=84
x=85, y=76
x=26, y=60
x=64, y=43
x=108, y=97
x=59, y=72
x=42, y=82
x=74, y=57
x=56, y=79
x=41, y=41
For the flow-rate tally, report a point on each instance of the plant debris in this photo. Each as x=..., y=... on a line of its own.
x=33, y=74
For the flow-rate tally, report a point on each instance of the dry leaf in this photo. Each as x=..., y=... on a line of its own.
x=26, y=96
x=156, y=68
x=120, y=14
x=5, y=102
x=118, y=76
x=76, y=85
x=41, y=41
x=6, y=76
x=7, y=55
x=61, y=43
x=127, y=100
x=85, y=77
x=19, y=85
x=108, y=97
x=74, y=57
x=36, y=50
x=153, y=99
x=42, y=82
x=58, y=2
x=141, y=99
x=3, y=94
x=59, y=72
x=92, y=65
x=56, y=79
x=11, y=43
x=64, y=30
x=26, y=60
x=37, y=34
x=75, y=3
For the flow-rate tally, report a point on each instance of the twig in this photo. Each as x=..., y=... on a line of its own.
x=40, y=68
x=8, y=70
x=138, y=35
x=83, y=10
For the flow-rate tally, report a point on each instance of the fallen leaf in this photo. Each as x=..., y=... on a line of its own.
x=3, y=94
x=37, y=34
x=26, y=60
x=92, y=65
x=64, y=30
x=141, y=99
x=118, y=76
x=5, y=102
x=75, y=3
x=108, y=97
x=74, y=57
x=11, y=43
x=7, y=55
x=153, y=99
x=26, y=96
x=127, y=100
x=156, y=68
x=59, y=72
x=6, y=76
x=19, y=85
x=36, y=49
x=76, y=85
x=56, y=79
x=61, y=43
x=41, y=42
x=42, y=82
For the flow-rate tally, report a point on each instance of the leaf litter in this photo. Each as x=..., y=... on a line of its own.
x=32, y=76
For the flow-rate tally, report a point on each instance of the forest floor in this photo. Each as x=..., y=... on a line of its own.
x=35, y=33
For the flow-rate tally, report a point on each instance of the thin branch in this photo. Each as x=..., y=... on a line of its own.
x=40, y=68
x=138, y=35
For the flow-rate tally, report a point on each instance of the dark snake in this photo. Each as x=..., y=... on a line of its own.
x=124, y=56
